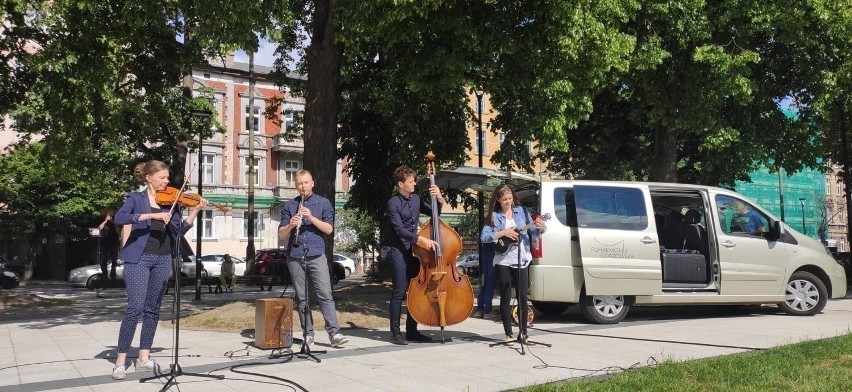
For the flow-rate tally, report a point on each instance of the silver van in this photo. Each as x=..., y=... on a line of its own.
x=611, y=245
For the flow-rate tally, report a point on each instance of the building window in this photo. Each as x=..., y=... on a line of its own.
x=289, y=168
x=207, y=224
x=502, y=138
x=338, y=180
x=207, y=168
x=256, y=224
x=839, y=189
x=289, y=121
x=257, y=174
x=257, y=119
x=480, y=142
x=827, y=186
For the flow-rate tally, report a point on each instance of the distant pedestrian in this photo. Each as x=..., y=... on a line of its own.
x=227, y=274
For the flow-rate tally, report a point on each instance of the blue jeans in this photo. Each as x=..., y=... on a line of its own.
x=404, y=267
x=146, y=284
x=488, y=279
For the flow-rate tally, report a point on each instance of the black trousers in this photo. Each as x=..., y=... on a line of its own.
x=508, y=278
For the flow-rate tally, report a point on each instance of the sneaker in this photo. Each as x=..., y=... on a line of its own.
x=119, y=372
x=477, y=314
x=416, y=336
x=524, y=339
x=149, y=365
x=338, y=340
x=509, y=340
x=309, y=340
x=398, y=339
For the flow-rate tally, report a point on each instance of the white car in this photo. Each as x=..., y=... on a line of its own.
x=347, y=263
x=213, y=264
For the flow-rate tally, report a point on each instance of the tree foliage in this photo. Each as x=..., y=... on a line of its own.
x=102, y=79
x=700, y=102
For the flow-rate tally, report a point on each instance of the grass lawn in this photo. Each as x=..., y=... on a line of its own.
x=822, y=365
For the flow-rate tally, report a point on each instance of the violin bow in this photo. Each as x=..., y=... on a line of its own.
x=180, y=191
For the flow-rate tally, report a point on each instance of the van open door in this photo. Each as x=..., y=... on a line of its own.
x=619, y=244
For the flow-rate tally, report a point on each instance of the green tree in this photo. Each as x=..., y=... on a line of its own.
x=700, y=102
x=409, y=69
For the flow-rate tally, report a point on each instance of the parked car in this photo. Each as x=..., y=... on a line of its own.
x=86, y=276
x=273, y=262
x=213, y=264
x=9, y=279
x=468, y=264
x=346, y=262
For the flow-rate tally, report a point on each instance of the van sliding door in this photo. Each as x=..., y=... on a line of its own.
x=619, y=244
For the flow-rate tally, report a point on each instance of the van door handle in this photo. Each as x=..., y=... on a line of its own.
x=729, y=244
x=648, y=240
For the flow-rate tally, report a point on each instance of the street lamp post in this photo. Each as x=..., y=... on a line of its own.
x=480, y=148
x=199, y=226
x=802, y=203
x=252, y=174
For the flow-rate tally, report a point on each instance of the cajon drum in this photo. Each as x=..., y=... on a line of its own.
x=273, y=323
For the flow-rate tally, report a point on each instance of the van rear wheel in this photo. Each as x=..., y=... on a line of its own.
x=550, y=308
x=805, y=295
x=604, y=309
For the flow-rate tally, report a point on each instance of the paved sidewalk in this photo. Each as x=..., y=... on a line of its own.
x=72, y=349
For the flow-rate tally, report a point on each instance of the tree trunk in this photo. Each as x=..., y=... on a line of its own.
x=664, y=168
x=323, y=58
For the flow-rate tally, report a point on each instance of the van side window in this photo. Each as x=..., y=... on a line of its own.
x=737, y=216
x=611, y=208
x=565, y=211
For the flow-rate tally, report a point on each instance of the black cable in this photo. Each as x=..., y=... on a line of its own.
x=652, y=340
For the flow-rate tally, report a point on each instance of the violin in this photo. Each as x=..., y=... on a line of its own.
x=186, y=199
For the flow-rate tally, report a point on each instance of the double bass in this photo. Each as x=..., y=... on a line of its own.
x=439, y=295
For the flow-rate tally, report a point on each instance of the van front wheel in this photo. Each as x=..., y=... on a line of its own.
x=805, y=295
x=604, y=309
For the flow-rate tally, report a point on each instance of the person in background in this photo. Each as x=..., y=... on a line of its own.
x=110, y=233
x=488, y=277
x=147, y=255
x=746, y=220
x=227, y=274
x=505, y=216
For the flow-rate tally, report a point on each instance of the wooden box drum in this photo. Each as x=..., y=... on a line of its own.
x=273, y=323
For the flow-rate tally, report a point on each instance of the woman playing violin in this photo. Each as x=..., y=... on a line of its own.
x=147, y=255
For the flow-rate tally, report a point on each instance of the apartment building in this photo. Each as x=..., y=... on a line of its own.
x=226, y=158
x=835, y=209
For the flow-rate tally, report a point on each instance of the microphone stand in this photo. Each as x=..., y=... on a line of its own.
x=175, y=369
x=305, y=350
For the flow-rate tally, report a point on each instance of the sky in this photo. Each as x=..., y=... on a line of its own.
x=265, y=55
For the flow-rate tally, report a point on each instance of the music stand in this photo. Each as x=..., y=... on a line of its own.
x=523, y=308
x=175, y=370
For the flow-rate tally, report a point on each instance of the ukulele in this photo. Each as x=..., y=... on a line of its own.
x=504, y=243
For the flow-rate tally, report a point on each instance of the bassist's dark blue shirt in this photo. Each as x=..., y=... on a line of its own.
x=404, y=214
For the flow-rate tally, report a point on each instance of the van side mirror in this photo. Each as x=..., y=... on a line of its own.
x=776, y=231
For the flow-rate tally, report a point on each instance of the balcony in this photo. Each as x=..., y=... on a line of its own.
x=285, y=192
x=281, y=143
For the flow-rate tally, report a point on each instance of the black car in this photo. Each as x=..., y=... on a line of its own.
x=271, y=264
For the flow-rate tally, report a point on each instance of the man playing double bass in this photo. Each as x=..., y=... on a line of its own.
x=404, y=210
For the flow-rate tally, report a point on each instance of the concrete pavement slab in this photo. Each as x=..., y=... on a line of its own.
x=73, y=349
